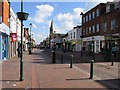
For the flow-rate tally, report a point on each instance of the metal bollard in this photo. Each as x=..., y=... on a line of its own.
x=112, y=60
x=53, y=57
x=91, y=69
x=61, y=57
x=71, y=61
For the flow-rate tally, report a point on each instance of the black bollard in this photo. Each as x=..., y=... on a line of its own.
x=112, y=60
x=53, y=57
x=91, y=69
x=61, y=57
x=71, y=61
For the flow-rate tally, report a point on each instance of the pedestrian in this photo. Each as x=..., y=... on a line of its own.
x=114, y=51
x=19, y=50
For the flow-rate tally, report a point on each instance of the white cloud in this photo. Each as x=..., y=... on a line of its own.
x=42, y=13
x=64, y=17
x=34, y=26
x=68, y=20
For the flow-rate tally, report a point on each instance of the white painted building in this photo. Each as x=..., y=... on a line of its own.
x=74, y=40
x=13, y=44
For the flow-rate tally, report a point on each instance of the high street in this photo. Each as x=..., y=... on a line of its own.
x=41, y=73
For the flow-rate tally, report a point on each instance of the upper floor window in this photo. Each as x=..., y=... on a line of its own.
x=86, y=30
x=86, y=18
x=74, y=34
x=89, y=29
x=104, y=26
x=93, y=29
x=107, y=8
x=83, y=19
x=93, y=14
x=90, y=16
x=113, y=24
x=97, y=27
x=97, y=12
x=71, y=35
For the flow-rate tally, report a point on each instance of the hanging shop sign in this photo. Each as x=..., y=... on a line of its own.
x=13, y=37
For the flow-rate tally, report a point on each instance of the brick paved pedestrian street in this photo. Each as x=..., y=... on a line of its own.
x=39, y=72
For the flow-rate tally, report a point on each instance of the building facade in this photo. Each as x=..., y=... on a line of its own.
x=74, y=39
x=4, y=29
x=13, y=34
x=101, y=27
x=91, y=22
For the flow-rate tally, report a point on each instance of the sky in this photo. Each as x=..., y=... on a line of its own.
x=64, y=13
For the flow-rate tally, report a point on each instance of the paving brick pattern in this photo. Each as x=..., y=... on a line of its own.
x=39, y=72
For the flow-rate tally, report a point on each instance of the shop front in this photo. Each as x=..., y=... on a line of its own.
x=93, y=42
x=4, y=37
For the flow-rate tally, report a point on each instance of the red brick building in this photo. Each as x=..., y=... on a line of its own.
x=91, y=22
x=101, y=27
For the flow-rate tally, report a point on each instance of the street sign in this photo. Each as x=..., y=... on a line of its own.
x=13, y=37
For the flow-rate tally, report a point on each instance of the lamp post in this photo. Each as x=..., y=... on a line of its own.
x=81, y=38
x=22, y=16
x=93, y=48
x=30, y=51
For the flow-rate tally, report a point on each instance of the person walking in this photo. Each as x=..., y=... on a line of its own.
x=19, y=50
x=114, y=51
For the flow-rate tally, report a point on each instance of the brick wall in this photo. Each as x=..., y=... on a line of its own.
x=5, y=12
x=0, y=8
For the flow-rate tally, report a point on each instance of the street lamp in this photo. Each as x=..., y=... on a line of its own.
x=30, y=51
x=93, y=48
x=82, y=36
x=22, y=16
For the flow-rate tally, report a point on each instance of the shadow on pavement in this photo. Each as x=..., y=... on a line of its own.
x=78, y=79
x=10, y=81
x=107, y=83
x=62, y=68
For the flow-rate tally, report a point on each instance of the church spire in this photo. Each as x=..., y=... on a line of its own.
x=51, y=29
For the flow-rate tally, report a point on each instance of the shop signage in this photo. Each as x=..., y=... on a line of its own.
x=4, y=28
x=108, y=37
x=13, y=37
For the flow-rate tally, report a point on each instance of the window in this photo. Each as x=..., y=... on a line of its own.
x=93, y=14
x=74, y=34
x=83, y=19
x=86, y=18
x=89, y=29
x=107, y=8
x=90, y=16
x=71, y=35
x=97, y=12
x=113, y=24
x=93, y=29
x=86, y=30
x=104, y=26
x=97, y=26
